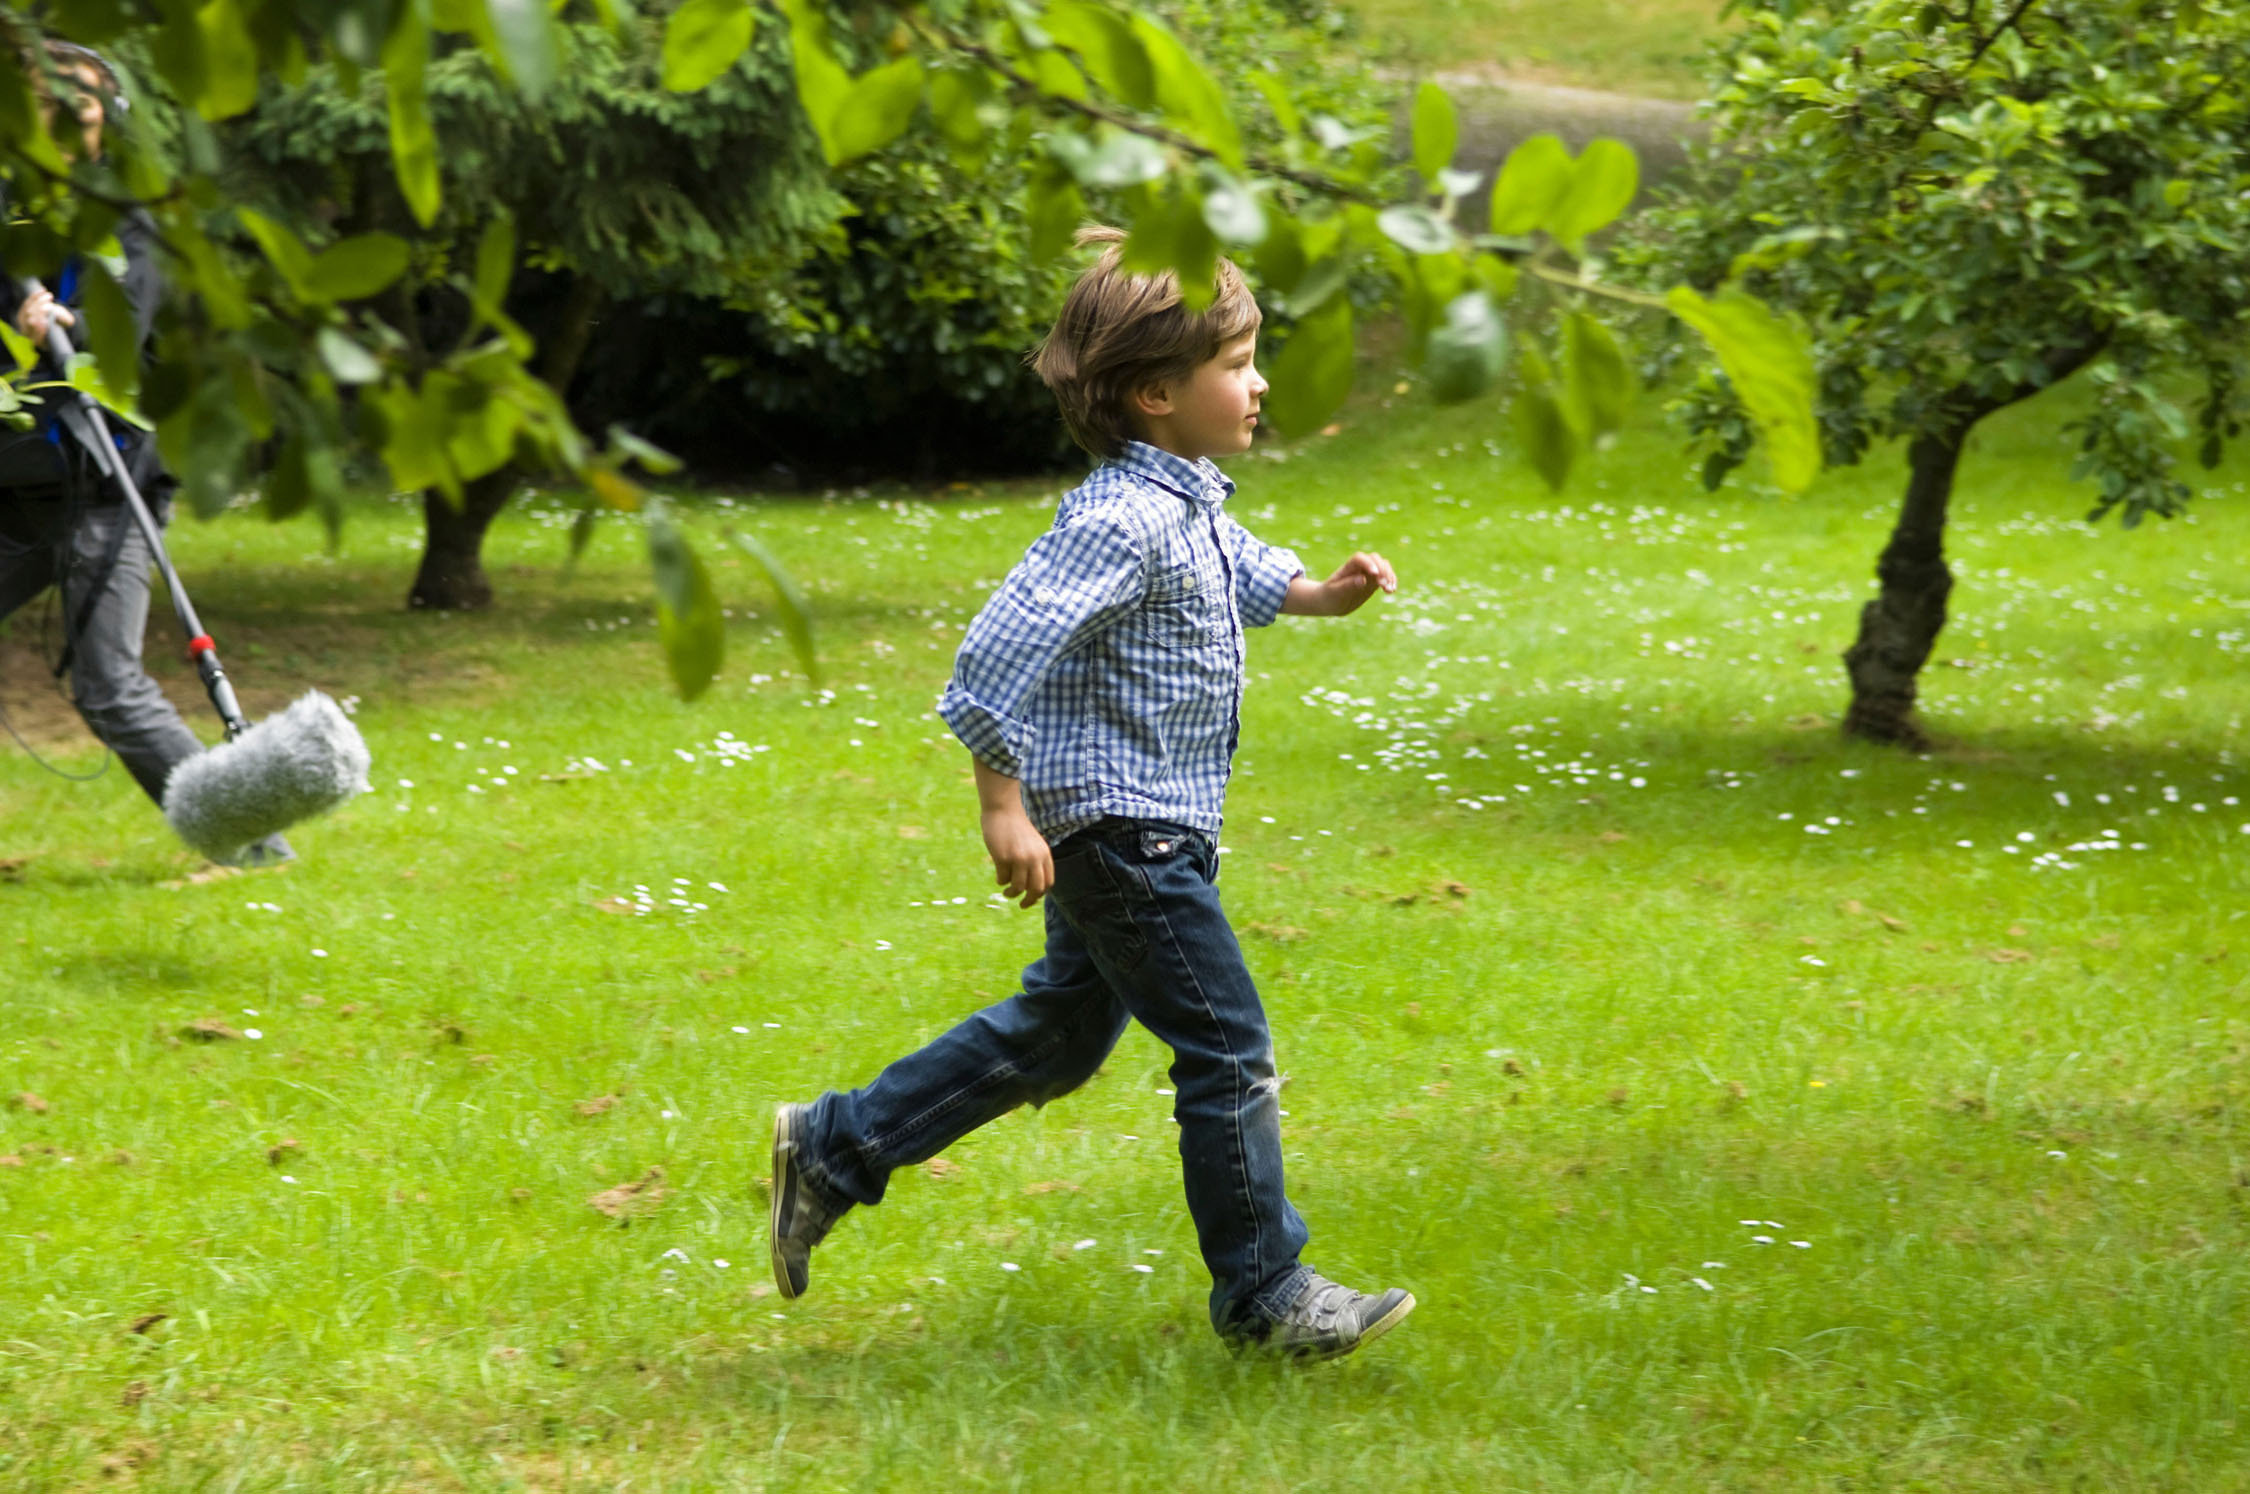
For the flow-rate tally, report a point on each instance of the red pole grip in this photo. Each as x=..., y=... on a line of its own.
x=201, y=644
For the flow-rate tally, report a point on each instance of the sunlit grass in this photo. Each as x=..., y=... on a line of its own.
x=1692, y=972
x=1652, y=47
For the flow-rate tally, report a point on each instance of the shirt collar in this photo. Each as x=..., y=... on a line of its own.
x=1199, y=482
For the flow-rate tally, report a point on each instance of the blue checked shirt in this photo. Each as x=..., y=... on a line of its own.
x=1106, y=672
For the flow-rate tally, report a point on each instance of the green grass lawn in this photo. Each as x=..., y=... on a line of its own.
x=1652, y=47
x=1748, y=1109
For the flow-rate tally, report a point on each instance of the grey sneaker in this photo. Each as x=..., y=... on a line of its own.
x=1329, y=1320
x=800, y=1218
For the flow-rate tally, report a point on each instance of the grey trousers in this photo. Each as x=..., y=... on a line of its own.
x=43, y=547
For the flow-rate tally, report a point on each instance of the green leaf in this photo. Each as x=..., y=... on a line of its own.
x=19, y=347
x=249, y=390
x=1280, y=260
x=1458, y=184
x=496, y=262
x=1533, y=180
x=581, y=531
x=19, y=117
x=216, y=285
x=1417, y=229
x=1771, y=370
x=822, y=81
x=177, y=50
x=305, y=475
x=1187, y=94
x=652, y=457
x=413, y=441
x=1428, y=284
x=615, y=489
x=358, y=267
x=204, y=440
x=957, y=95
x=1596, y=377
x=283, y=248
x=463, y=17
x=413, y=142
x=230, y=61
x=346, y=359
x=1778, y=249
x=1058, y=77
x=1602, y=186
x=1276, y=91
x=1314, y=288
x=702, y=39
x=1105, y=43
x=1300, y=259
x=1232, y=211
x=1466, y=353
x=110, y=333
x=1313, y=376
x=1169, y=234
x=876, y=111
x=1053, y=213
x=796, y=617
x=1496, y=275
x=479, y=425
x=84, y=374
x=1112, y=158
x=288, y=490
x=1437, y=133
x=688, y=621
x=1549, y=443
x=525, y=31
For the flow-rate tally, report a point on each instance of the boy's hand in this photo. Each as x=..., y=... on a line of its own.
x=1021, y=862
x=1342, y=594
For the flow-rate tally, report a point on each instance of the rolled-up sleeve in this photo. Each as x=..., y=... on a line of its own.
x=1075, y=580
x=1262, y=573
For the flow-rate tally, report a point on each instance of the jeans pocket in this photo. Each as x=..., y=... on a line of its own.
x=1092, y=890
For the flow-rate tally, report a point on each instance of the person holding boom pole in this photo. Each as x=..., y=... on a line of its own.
x=83, y=501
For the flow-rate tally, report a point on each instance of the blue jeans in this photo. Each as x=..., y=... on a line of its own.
x=1134, y=931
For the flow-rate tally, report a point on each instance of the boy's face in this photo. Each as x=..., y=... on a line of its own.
x=1213, y=411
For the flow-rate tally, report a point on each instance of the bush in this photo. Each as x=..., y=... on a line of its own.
x=899, y=345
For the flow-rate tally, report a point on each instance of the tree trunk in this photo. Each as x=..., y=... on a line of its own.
x=1898, y=628
x=452, y=578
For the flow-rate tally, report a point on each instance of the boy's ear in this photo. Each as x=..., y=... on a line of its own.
x=1152, y=399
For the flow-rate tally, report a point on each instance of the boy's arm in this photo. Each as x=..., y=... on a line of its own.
x=1021, y=862
x=1072, y=582
x=1340, y=595
x=1263, y=573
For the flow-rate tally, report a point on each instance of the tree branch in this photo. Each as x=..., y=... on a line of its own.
x=1311, y=181
x=1547, y=272
x=1984, y=43
x=115, y=202
x=2011, y=22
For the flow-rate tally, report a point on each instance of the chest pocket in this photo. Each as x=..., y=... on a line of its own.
x=1187, y=605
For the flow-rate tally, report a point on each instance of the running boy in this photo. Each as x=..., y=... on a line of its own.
x=1099, y=692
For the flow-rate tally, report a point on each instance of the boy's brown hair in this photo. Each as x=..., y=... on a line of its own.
x=1120, y=332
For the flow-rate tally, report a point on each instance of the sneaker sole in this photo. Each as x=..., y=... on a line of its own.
x=784, y=1186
